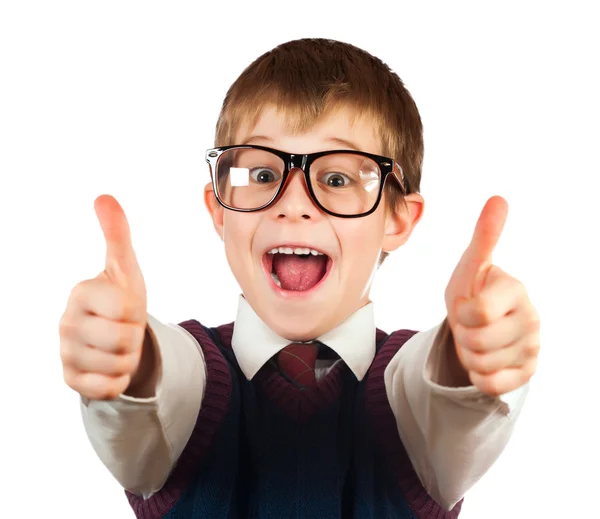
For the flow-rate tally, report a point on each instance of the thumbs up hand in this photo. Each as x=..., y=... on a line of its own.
x=103, y=327
x=493, y=323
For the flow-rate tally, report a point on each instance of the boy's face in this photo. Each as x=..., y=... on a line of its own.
x=351, y=246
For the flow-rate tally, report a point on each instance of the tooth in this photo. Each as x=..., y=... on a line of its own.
x=301, y=250
x=286, y=250
x=274, y=251
x=276, y=279
x=314, y=252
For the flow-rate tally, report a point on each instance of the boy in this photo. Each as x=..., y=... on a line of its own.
x=301, y=408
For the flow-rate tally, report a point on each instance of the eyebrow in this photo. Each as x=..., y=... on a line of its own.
x=256, y=138
x=336, y=140
x=344, y=142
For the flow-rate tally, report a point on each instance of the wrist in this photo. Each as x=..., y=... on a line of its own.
x=450, y=371
x=144, y=379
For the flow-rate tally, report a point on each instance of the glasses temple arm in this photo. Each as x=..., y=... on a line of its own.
x=399, y=174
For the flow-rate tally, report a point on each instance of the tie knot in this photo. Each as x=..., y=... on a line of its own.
x=297, y=361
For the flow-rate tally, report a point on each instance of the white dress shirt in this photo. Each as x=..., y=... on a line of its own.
x=452, y=435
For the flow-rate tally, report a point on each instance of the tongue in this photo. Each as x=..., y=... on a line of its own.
x=299, y=272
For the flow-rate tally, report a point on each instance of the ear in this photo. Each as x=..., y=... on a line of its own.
x=215, y=209
x=401, y=221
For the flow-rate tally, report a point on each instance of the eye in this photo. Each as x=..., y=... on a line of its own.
x=264, y=175
x=335, y=180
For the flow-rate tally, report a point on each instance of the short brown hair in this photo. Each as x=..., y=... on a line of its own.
x=308, y=78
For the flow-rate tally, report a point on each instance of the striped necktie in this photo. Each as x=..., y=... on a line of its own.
x=297, y=362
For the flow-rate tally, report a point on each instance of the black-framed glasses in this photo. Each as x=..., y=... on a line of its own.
x=344, y=183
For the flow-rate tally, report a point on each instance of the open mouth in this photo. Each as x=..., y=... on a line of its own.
x=296, y=269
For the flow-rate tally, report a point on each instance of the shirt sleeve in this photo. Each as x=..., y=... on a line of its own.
x=139, y=440
x=452, y=435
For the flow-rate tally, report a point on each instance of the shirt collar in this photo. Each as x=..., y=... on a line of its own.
x=254, y=343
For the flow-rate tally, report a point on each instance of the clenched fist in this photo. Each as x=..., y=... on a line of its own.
x=102, y=330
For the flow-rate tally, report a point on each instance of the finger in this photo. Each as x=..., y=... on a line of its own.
x=121, y=263
x=499, y=334
x=469, y=275
x=83, y=357
x=91, y=360
x=513, y=356
x=494, y=336
x=110, y=336
x=504, y=381
x=95, y=386
x=103, y=298
x=500, y=295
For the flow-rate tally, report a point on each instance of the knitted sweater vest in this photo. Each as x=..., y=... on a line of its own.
x=266, y=448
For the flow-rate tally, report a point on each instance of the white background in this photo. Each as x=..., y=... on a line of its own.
x=122, y=98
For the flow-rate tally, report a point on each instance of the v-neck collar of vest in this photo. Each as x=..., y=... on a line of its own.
x=297, y=402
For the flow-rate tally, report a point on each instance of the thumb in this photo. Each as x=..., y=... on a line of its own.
x=121, y=263
x=469, y=275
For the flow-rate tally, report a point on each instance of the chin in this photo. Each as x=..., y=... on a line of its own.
x=297, y=294
x=304, y=318
x=300, y=324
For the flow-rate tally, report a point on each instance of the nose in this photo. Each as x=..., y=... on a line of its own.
x=295, y=202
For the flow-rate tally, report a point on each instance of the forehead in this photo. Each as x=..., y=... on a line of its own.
x=340, y=128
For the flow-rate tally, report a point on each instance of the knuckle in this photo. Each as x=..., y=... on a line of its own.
x=519, y=357
x=529, y=370
x=126, y=306
x=129, y=363
x=491, y=385
x=122, y=364
x=67, y=328
x=448, y=293
x=67, y=355
x=474, y=340
x=78, y=292
x=109, y=392
x=68, y=378
x=71, y=378
x=121, y=304
x=127, y=337
x=481, y=363
x=116, y=387
x=533, y=323
x=483, y=309
x=487, y=312
x=532, y=349
x=100, y=387
x=520, y=287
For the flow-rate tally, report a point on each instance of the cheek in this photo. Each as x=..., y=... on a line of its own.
x=361, y=242
x=237, y=227
x=238, y=233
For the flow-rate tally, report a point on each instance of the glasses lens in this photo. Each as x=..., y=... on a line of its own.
x=247, y=178
x=346, y=183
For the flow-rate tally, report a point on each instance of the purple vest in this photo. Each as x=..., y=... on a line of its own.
x=266, y=448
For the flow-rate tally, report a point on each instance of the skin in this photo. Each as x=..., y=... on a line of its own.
x=105, y=345
x=354, y=245
x=495, y=327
